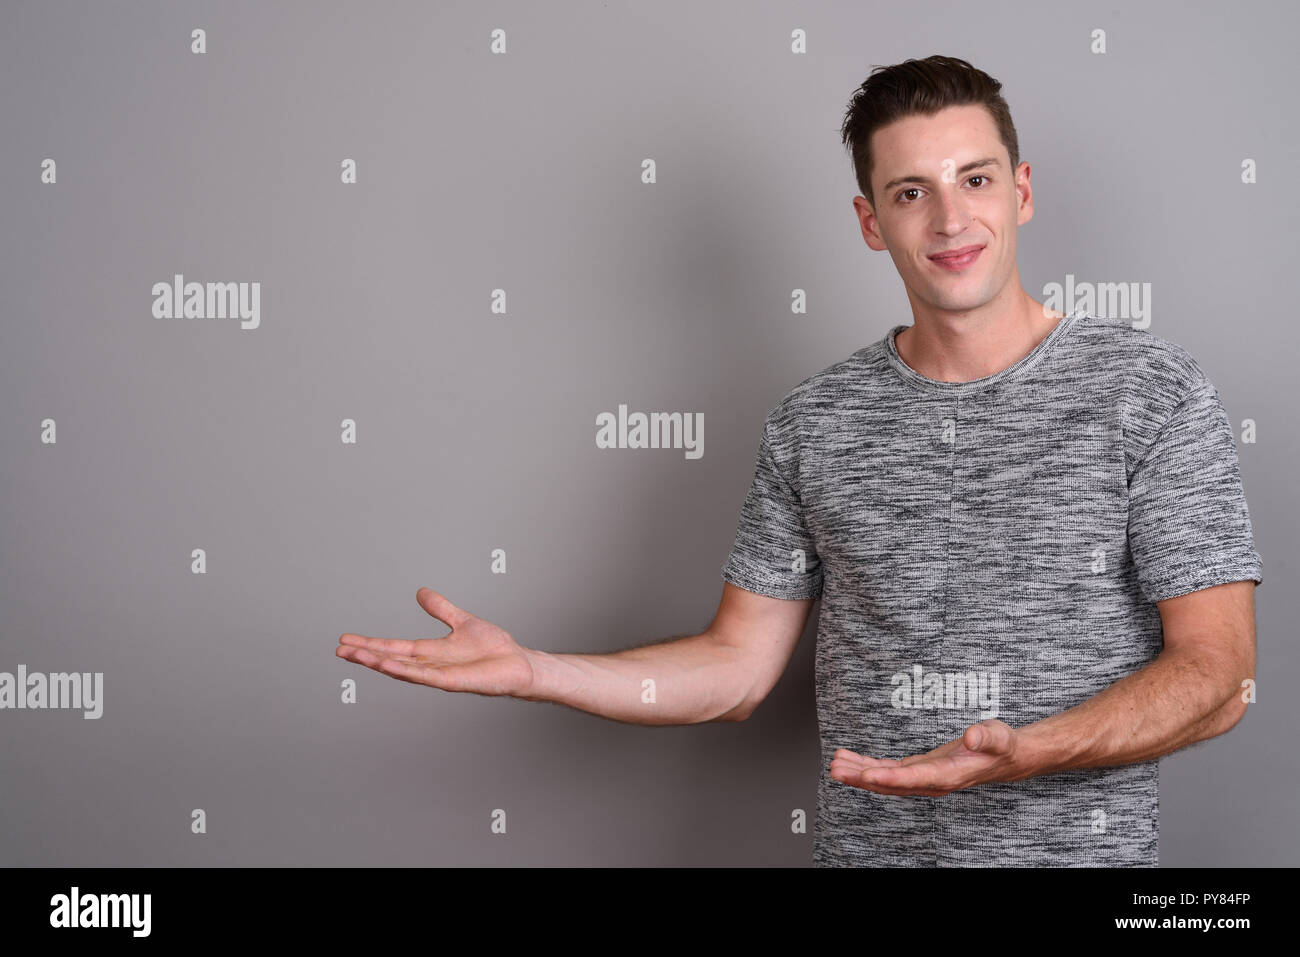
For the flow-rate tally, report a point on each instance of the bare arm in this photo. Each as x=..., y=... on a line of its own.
x=681, y=681
x=1191, y=692
x=719, y=675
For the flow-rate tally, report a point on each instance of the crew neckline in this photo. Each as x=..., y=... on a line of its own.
x=910, y=375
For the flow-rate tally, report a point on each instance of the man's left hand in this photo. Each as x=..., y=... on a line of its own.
x=985, y=752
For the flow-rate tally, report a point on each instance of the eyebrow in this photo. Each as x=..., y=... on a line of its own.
x=914, y=178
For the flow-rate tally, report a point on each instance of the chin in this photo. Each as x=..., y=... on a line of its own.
x=959, y=304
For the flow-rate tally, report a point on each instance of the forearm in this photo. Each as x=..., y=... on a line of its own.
x=684, y=681
x=1178, y=699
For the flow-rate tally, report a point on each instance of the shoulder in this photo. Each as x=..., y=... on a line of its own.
x=829, y=391
x=1148, y=367
x=1150, y=379
x=815, y=406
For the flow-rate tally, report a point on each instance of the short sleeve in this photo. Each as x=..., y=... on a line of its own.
x=773, y=553
x=1188, y=524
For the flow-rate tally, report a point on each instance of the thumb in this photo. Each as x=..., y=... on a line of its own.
x=985, y=736
x=439, y=607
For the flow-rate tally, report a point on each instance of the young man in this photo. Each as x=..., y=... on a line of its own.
x=1026, y=528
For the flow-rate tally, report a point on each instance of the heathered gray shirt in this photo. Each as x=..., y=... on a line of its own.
x=992, y=548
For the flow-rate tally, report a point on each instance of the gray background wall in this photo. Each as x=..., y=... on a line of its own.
x=476, y=431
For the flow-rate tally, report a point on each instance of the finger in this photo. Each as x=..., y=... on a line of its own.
x=439, y=607
x=393, y=646
x=363, y=656
x=912, y=779
x=395, y=666
x=874, y=783
x=869, y=777
x=855, y=762
x=849, y=770
x=898, y=792
x=841, y=770
x=847, y=755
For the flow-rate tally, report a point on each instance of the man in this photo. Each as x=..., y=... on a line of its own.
x=1026, y=528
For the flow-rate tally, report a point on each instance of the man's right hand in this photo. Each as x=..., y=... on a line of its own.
x=477, y=656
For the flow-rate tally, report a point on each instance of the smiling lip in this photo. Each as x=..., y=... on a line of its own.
x=956, y=258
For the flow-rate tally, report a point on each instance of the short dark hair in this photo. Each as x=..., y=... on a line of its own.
x=920, y=86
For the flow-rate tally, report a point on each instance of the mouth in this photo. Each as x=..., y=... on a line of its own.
x=955, y=260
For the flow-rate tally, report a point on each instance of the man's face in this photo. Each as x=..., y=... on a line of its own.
x=931, y=199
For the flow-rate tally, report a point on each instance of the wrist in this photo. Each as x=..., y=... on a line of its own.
x=1044, y=747
x=546, y=671
x=1028, y=758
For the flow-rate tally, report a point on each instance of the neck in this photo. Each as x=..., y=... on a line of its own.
x=961, y=347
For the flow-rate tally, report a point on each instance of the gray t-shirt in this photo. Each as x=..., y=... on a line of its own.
x=992, y=548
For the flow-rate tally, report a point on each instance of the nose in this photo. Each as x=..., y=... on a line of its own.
x=950, y=214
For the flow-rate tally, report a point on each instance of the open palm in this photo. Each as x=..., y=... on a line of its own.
x=984, y=753
x=477, y=656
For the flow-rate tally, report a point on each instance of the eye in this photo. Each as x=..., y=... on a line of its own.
x=912, y=189
x=977, y=177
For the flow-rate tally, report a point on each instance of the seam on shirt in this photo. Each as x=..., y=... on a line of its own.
x=952, y=495
x=947, y=588
x=780, y=474
x=813, y=584
x=1204, y=387
x=1242, y=568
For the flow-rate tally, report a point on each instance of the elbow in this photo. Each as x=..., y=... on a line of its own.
x=744, y=687
x=745, y=707
x=739, y=713
x=1240, y=696
x=1234, y=711
x=1229, y=714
